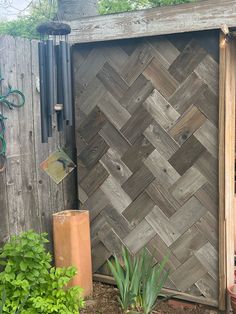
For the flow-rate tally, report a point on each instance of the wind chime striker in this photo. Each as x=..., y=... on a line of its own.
x=55, y=76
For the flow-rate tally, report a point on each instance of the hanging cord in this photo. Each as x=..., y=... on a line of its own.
x=4, y=100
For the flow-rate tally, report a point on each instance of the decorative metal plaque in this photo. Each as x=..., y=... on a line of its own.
x=58, y=165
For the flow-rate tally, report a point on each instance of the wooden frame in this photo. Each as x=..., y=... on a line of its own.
x=206, y=15
x=202, y=15
x=226, y=165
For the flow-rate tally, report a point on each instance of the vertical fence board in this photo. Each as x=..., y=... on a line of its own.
x=28, y=197
x=4, y=230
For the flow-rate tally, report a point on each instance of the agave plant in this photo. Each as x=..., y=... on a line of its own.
x=138, y=281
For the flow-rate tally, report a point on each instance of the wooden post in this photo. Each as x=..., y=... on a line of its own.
x=226, y=166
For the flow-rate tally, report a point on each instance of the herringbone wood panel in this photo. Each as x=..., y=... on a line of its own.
x=146, y=123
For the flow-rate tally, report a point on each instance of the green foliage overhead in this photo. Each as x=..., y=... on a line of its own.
x=25, y=25
x=28, y=282
x=115, y=6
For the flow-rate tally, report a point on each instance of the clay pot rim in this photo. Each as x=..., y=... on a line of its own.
x=70, y=212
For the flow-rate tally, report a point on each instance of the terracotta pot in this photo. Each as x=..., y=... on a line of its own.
x=232, y=293
x=72, y=246
x=235, y=225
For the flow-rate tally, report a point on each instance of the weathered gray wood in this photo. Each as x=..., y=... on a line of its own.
x=202, y=15
x=116, y=114
x=140, y=149
x=162, y=80
x=161, y=140
x=28, y=195
x=163, y=227
x=187, y=61
x=164, y=113
x=94, y=179
x=138, y=182
x=136, y=94
x=187, y=155
x=188, y=243
x=162, y=169
x=115, y=166
x=26, y=129
x=188, y=184
x=139, y=236
x=191, y=266
x=162, y=198
x=139, y=209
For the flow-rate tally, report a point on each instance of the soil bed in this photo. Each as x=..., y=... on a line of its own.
x=104, y=301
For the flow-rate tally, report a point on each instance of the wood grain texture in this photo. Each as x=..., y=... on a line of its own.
x=28, y=196
x=156, y=141
x=210, y=14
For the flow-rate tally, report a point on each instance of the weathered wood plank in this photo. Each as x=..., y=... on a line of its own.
x=136, y=63
x=112, y=81
x=162, y=225
x=162, y=198
x=159, y=108
x=210, y=14
x=188, y=243
x=161, y=78
x=114, y=139
x=188, y=214
x=115, y=113
x=138, y=122
x=138, y=182
x=187, y=155
x=191, y=266
x=141, y=150
x=136, y=94
x=139, y=236
x=94, y=179
x=187, y=61
x=138, y=209
x=187, y=124
x=162, y=169
x=187, y=185
x=115, y=166
x=161, y=140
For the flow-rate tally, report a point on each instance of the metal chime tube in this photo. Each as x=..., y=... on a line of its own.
x=69, y=84
x=65, y=85
x=59, y=89
x=43, y=100
x=50, y=83
x=55, y=77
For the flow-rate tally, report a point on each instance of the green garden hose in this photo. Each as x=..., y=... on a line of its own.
x=3, y=144
x=4, y=100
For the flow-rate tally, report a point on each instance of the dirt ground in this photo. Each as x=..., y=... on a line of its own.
x=104, y=301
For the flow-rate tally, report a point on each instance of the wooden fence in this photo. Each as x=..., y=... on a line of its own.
x=28, y=197
x=147, y=129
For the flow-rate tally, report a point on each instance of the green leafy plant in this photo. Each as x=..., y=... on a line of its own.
x=138, y=281
x=25, y=25
x=28, y=282
x=114, y=6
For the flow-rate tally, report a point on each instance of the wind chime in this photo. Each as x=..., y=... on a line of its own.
x=55, y=77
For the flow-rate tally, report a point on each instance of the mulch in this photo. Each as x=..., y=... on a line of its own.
x=105, y=301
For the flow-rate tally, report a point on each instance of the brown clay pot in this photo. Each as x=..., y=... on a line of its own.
x=72, y=246
x=232, y=293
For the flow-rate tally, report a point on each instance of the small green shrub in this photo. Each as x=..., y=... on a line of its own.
x=138, y=281
x=28, y=282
